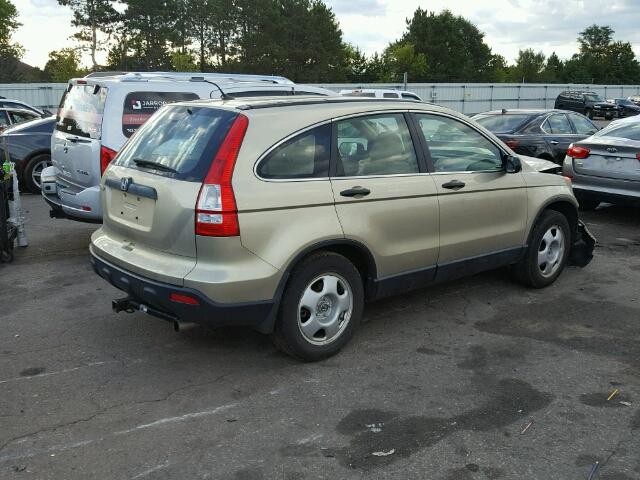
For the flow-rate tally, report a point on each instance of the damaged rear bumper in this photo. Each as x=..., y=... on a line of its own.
x=582, y=248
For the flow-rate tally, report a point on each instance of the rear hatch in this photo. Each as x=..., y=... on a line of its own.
x=151, y=189
x=75, y=145
x=613, y=153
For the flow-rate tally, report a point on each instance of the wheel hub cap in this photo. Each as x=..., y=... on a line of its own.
x=551, y=251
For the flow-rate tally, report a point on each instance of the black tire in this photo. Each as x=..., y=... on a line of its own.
x=589, y=113
x=31, y=185
x=527, y=271
x=608, y=116
x=287, y=335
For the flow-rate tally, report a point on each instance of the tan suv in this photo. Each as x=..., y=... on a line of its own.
x=287, y=214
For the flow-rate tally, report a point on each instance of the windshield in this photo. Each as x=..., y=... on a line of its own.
x=624, y=102
x=592, y=97
x=502, y=123
x=630, y=131
x=81, y=110
x=182, y=140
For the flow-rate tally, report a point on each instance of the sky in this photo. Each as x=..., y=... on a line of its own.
x=509, y=25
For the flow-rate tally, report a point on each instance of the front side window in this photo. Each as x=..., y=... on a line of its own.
x=4, y=121
x=306, y=155
x=557, y=124
x=375, y=145
x=139, y=106
x=17, y=117
x=456, y=147
x=583, y=125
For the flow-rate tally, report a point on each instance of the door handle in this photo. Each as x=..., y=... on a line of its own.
x=79, y=140
x=454, y=185
x=554, y=142
x=355, y=192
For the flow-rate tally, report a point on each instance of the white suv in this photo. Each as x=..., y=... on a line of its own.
x=380, y=93
x=97, y=115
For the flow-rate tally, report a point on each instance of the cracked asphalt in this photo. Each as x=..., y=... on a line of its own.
x=438, y=384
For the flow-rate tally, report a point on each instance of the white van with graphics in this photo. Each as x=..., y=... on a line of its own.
x=97, y=115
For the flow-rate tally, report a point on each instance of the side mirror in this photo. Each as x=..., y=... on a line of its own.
x=512, y=164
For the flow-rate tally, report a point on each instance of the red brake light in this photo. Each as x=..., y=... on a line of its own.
x=638, y=155
x=106, y=155
x=576, y=151
x=216, y=210
x=512, y=143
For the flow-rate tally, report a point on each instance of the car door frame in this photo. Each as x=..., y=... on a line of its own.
x=557, y=150
x=473, y=264
x=389, y=284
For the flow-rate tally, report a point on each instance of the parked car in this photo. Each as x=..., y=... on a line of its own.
x=285, y=233
x=98, y=114
x=635, y=99
x=587, y=103
x=17, y=104
x=11, y=116
x=29, y=147
x=380, y=93
x=538, y=133
x=626, y=108
x=606, y=166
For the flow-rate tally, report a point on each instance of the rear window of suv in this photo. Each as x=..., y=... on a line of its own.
x=81, y=110
x=181, y=140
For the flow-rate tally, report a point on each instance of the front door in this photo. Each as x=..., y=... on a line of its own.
x=384, y=197
x=483, y=209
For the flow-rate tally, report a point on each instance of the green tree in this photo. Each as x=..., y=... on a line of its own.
x=10, y=52
x=595, y=40
x=401, y=57
x=454, y=47
x=183, y=62
x=553, y=70
x=63, y=65
x=91, y=17
x=529, y=66
x=355, y=65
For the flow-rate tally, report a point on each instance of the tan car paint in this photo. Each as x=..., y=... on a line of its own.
x=280, y=219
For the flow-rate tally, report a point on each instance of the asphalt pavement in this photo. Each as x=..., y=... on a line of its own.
x=477, y=379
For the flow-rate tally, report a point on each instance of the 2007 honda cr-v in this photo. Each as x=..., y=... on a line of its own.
x=287, y=214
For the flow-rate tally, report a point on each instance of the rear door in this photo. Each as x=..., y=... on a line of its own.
x=75, y=145
x=483, y=210
x=383, y=196
x=559, y=134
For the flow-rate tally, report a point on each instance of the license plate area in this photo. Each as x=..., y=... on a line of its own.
x=130, y=209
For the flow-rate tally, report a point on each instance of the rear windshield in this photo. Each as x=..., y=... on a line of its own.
x=184, y=139
x=502, y=123
x=630, y=130
x=81, y=110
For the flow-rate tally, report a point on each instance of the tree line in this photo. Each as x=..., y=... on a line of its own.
x=302, y=40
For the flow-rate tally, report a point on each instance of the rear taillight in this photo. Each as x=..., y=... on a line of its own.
x=216, y=210
x=181, y=298
x=576, y=151
x=512, y=144
x=106, y=155
x=638, y=155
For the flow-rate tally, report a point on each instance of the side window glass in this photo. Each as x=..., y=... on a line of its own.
x=558, y=124
x=375, y=145
x=4, y=121
x=139, y=106
x=303, y=156
x=583, y=125
x=409, y=96
x=456, y=147
x=389, y=95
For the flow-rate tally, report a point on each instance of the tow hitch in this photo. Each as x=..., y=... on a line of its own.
x=582, y=248
x=131, y=305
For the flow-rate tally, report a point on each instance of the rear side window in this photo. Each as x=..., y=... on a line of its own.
x=502, y=123
x=139, y=106
x=375, y=145
x=389, y=95
x=181, y=140
x=303, y=156
x=81, y=110
x=410, y=96
x=557, y=124
x=583, y=125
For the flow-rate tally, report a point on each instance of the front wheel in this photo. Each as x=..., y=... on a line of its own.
x=321, y=307
x=547, y=252
x=33, y=171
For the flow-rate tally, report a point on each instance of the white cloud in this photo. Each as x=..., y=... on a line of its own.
x=509, y=25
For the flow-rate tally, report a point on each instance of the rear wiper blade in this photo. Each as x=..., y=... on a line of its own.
x=150, y=164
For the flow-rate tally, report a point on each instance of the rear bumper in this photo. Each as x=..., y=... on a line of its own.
x=83, y=205
x=153, y=297
x=605, y=189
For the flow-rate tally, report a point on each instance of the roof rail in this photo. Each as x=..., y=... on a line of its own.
x=289, y=101
x=239, y=77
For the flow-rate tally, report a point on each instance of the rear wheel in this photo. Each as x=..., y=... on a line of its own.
x=33, y=171
x=609, y=116
x=547, y=253
x=589, y=113
x=321, y=307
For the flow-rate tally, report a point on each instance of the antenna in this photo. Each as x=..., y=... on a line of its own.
x=223, y=95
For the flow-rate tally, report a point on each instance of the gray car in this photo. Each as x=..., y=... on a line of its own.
x=606, y=166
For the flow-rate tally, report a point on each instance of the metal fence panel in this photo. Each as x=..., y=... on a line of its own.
x=467, y=98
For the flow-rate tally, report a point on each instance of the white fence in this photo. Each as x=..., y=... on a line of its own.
x=467, y=98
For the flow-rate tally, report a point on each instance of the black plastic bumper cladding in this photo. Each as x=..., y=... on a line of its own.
x=152, y=297
x=582, y=248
